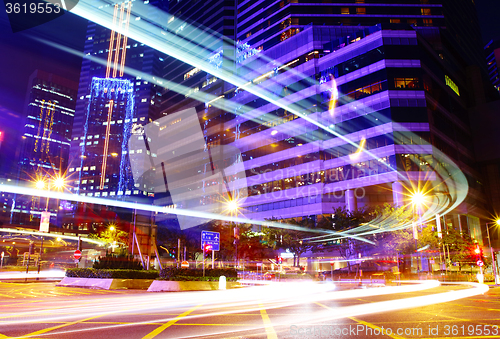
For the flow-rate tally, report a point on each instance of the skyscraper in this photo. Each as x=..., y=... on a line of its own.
x=492, y=50
x=388, y=81
x=111, y=103
x=49, y=112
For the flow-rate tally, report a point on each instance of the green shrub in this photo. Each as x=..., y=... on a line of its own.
x=117, y=263
x=192, y=278
x=170, y=272
x=110, y=273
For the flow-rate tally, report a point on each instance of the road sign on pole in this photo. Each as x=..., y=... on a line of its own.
x=77, y=255
x=45, y=222
x=210, y=238
x=480, y=263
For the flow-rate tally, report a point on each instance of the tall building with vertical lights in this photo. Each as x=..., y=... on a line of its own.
x=114, y=97
x=44, y=151
x=395, y=78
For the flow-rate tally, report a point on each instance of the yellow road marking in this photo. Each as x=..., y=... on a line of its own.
x=45, y=330
x=210, y=324
x=122, y=323
x=170, y=323
x=271, y=333
x=367, y=324
x=444, y=316
x=375, y=327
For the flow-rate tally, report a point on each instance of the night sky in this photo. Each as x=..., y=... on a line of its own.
x=20, y=55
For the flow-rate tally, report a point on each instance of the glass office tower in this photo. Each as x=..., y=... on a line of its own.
x=114, y=98
x=392, y=80
x=49, y=113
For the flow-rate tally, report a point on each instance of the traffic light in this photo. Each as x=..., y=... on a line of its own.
x=478, y=252
x=280, y=260
x=206, y=249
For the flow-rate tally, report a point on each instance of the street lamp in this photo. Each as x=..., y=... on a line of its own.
x=232, y=207
x=58, y=182
x=417, y=199
x=493, y=262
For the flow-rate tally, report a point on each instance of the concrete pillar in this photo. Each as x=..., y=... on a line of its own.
x=350, y=200
x=397, y=194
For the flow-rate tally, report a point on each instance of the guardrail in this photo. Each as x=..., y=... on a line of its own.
x=362, y=281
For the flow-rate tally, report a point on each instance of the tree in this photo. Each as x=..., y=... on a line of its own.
x=399, y=241
x=384, y=217
x=250, y=244
x=460, y=247
x=289, y=239
x=113, y=237
x=168, y=239
x=343, y=220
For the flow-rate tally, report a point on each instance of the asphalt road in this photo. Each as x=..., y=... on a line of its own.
x=286, y=310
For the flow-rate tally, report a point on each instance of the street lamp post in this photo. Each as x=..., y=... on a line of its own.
x=58, y=183
x=417, y=199
x=232, y=207
x=493, y=262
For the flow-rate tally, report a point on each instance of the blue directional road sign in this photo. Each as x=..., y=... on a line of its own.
x=210, y=238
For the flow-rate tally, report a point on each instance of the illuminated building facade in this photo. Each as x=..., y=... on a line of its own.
x=492, y=51
x=115, y=96
x=392, y=77
x=111, y=103
x=49, y=113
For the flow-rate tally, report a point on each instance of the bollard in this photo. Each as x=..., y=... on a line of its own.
x=222, y=282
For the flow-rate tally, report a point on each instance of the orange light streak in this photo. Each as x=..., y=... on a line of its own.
x=125, y=38
x=106, y=145
x=118, y=40
x=46, y=126
x=51, y=111
x=111, y=43
x=334, y=97
x=360, y=149
x=39, y=126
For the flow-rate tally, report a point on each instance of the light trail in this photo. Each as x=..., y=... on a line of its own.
x=179, y=43
x=106, y=144
x=42, y=274
x=152, y=208
x=152, y=33
x=53, y=235
x=453, y=182
x=275, y=296
x=111, y=42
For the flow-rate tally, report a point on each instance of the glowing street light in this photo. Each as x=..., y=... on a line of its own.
x=417, y=200
x=40, y=184
x=232, y=206
x=493, y=261
x=59, y=182
x=112, y=228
